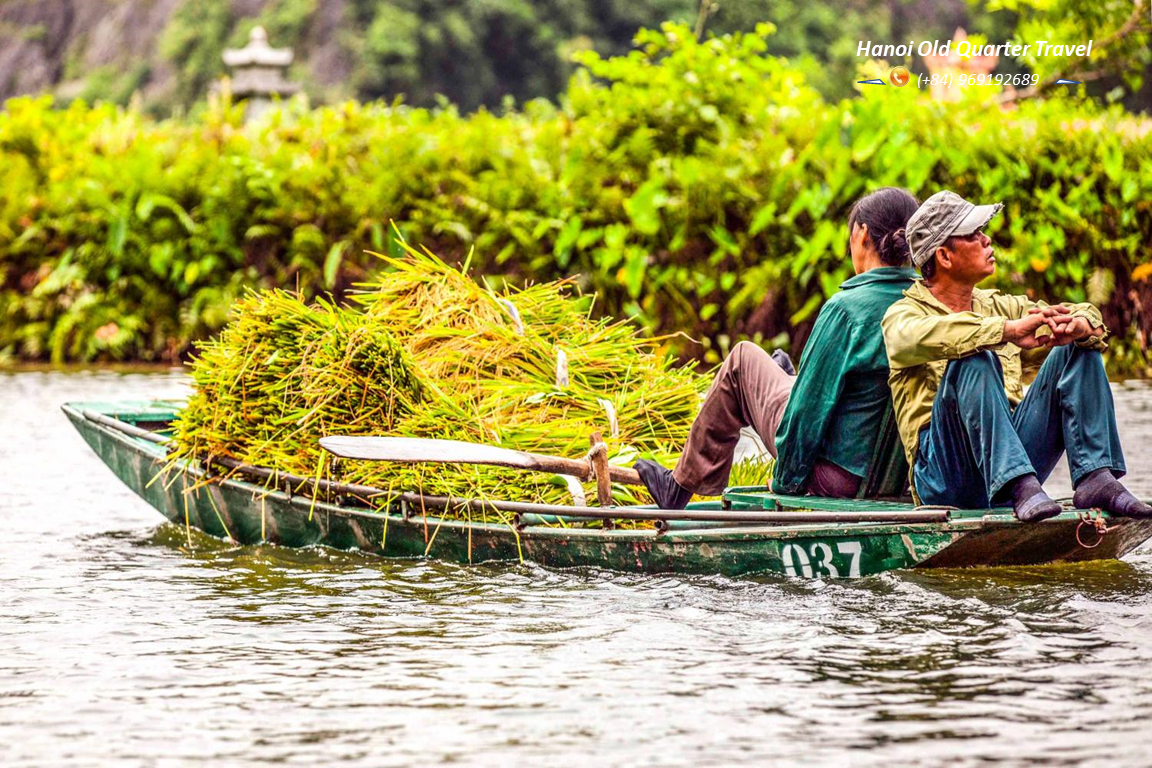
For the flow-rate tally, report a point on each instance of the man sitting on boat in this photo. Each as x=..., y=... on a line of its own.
x=973, y=439
x=822, y=425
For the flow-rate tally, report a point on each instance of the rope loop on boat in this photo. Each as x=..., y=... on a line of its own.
x=1098, y=523
x=597, y=449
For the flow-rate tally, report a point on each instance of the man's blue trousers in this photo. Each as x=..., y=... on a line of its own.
x=976, y=444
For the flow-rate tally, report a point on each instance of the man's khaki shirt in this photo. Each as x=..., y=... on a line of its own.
x=921, y=335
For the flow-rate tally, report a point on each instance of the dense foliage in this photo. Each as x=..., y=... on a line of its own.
x=702, y=187
x=1119, y=30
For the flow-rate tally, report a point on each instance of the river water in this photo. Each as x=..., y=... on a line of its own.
x=120, y=644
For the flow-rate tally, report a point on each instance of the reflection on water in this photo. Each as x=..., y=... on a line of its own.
x=126, y=641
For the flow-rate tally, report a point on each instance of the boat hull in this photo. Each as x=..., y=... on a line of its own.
x=248, y=513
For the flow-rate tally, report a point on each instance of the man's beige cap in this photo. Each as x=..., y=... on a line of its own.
x=941, y=216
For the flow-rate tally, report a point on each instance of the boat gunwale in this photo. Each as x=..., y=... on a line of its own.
x=736, y=532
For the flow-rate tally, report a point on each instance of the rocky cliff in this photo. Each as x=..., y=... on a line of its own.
x=113, y=48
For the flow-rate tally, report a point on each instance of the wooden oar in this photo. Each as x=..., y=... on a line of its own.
x=418, y=449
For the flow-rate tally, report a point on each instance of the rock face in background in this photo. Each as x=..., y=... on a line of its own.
x=113, y=48
x=329, y=64
x=56, y=45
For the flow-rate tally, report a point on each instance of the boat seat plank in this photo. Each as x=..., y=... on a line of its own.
x=760, y=497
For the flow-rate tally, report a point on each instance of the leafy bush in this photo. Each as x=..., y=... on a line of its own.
x=700, y=186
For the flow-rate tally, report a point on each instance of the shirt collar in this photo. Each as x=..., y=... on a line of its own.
x=919, y=291
x=881, y=275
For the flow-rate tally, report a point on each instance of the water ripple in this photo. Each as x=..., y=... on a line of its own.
x=127, y=640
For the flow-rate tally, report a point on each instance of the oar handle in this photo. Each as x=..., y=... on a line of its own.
x=625, y=475
x=583, y=469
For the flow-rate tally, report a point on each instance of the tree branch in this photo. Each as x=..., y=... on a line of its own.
x=1070, y=72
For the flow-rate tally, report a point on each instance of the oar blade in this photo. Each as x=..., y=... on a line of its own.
x=419, y=449
x=416, y=449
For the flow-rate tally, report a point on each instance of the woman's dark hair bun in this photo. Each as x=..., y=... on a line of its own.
x=894, y=248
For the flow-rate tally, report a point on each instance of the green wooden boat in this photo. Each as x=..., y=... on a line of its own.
x=750, y=531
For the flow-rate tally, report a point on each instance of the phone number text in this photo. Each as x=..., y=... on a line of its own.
x=967, y=78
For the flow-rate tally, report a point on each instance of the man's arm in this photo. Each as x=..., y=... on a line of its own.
x=815, y=393
x=1079, y=330
x=913, y=338
x=1069, y=322
x=1085, y=327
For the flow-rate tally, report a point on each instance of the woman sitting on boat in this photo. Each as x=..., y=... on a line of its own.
x=822, y=425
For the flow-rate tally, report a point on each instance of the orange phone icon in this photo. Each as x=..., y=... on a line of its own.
x=899, y=76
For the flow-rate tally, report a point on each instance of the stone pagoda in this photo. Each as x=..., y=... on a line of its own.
x=258, y=73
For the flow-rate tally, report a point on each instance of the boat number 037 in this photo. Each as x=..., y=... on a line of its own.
x=817, y=559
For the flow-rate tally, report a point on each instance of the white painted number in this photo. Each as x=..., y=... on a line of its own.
x=795, y=551
x=797, y=562
x=825, y=559
x=854, y=549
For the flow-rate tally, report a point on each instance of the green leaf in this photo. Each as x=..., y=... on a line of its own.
x=332, y=262
x=635, y=264
x=150, y=201
x=1113, y=161
x=644, y=206
x=589, y=237
x=724, y=240
x=806, y=311
x=396, y=238
x=506, y=253
x=160, y=258
x=1076, y=269
x=118, y=234
x=1128, y=189
x=261, y=230
x=762, y=218
x=566, y=239
x=830, y=283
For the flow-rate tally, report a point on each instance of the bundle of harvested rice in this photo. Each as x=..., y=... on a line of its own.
x=428, y=352
x=283, y=373
x=532, y=368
